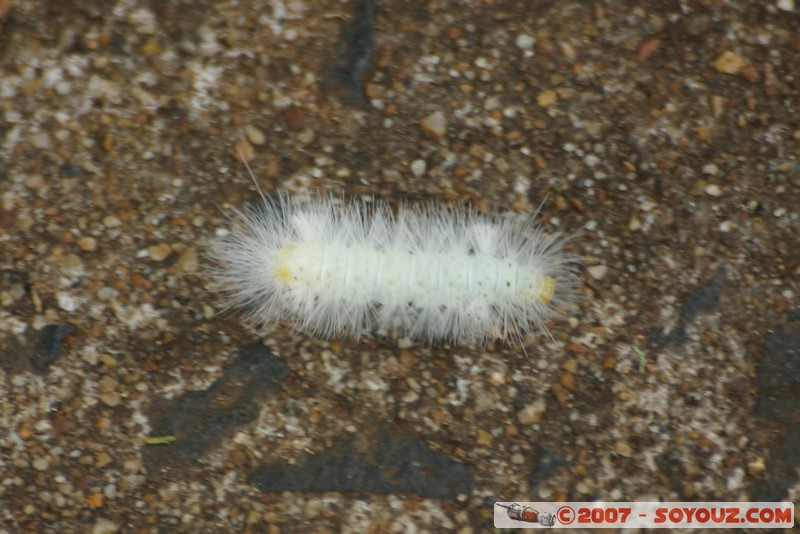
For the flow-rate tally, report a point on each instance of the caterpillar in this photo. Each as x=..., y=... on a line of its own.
x=348, y=268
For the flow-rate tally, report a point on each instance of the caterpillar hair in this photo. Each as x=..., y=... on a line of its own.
x=347, y=268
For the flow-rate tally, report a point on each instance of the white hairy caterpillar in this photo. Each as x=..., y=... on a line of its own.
x=338, y=268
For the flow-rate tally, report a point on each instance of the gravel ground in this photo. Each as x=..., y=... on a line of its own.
x=666, y=134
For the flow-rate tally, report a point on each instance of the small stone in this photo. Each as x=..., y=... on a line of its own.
x=254, y=135
x=786, y=5
x=24, y=432
x=598, y=272
x=756, y=466
x=108, y=384
x=435, y=124
x=34, y=181
x=243, y=151
x=66, y=302
x=41, y=141
x=159, y=252
x=647, y=49
x=295, y=118
x=717, y=106
x=710, y=169
x=493, y=102
x=104, y=526
x=531, y=413
x=87, y=244
x=41, y=464
x=546, y=98
x=111, y=221
x=411, y=396
x=713, y=190
x=418, y=167
x=623, y=449
x=591, y=160
x=102, y=459
x=108, y=360
x=187, y=261
x=484, y=438
x=95, y=500
x=482, y=63
x=647, y=206
x=306, y=136
x=750, y=72
x=729, y=63
x=525, y=41
x=703, y=133
x=72, y=266
x=567, y=380
x=111, y=399
x=570, y=366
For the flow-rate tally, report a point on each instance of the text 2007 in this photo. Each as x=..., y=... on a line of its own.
x=603, y=515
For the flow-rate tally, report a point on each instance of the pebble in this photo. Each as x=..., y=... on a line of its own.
x=786, y=5
x=24, y=432
x=41, y=464
x=306, y=136
x=623, y=449
x=647, y=206
x=546, y=98
x=591, y=160
x=484, y=438
x=598, y=272
x=159, y=252
x=41, y=141
x=525, y=41
x=111, y=221
x=756, y=466
x=717, y=105
x=493, y=102
x=87, y=244
x=418, y=167
x=35, y=181
x=108, y=360
x=729, y=63
x=72, y=266
x=254, y=135
x=435, y=124
x=243, y=151
x=295, y=118
x=66, y=302
x=187, y=261
x=104, y=526
x=102, y=459
x=111, y=399
x=411, y=396
x=710, y=169
x=713, y=190
x=725, y=226
x=531, y=413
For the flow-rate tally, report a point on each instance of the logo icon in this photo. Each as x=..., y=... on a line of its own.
x=528, y=515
